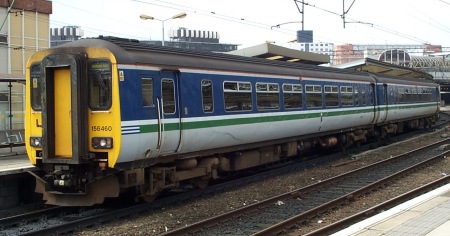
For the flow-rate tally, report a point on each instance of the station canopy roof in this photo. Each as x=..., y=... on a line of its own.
x=375, y=66
x=278, y=53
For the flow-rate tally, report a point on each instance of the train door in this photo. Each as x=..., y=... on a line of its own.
x=63, y=120
x=373, y=103
x=169, y=131
x=64, y=115
x=438, y=99
x=382, y=104
x=385, y=103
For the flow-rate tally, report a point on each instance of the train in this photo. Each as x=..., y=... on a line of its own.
x=108, y=115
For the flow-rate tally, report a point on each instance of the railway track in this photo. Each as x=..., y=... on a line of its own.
x=63, y=220
x=31, y=216
x=67, y=220
x=45, y=221
x=359, y=216
x=285, y=211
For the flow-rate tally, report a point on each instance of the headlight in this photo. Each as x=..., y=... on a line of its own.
x=36, y=141
x=102, y=142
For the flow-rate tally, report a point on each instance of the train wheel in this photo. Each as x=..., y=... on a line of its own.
x=147, y=194
x=201, y=183
x=150, y=197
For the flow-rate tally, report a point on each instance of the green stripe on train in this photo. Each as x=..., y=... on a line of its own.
x=266, y=119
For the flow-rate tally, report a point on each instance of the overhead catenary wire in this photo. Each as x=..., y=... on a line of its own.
x=243, y=21
x=218, y=15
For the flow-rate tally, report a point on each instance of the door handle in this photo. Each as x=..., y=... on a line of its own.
x=158, y=104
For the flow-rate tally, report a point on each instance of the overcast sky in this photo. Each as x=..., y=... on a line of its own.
x=252, y=22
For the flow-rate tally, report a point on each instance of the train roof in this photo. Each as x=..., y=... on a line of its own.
x=129, y=51
x=132, y=52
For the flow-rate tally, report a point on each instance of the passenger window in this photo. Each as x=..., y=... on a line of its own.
x=407, y=95
x=396, y=95
x=346, y=96
x=147, y=92
x=99, y=85
x=401, y=95
x=207, y=96
x=391, y=95
x=267, y=96
x=356, y=89
x=371, y=94
x=292, y=95
x=331, y=96
x=313, y=96
x=414, y=95
x=237, y=96
x=36, y=82
x=363, y=95
x=168, y=96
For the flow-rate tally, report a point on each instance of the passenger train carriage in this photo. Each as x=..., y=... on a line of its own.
x=108, y=115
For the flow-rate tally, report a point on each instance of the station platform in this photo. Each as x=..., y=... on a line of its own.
x=14, y=161
x=426, y=215
x=16, y=185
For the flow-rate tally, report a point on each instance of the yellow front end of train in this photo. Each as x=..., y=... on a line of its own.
x=72, y=125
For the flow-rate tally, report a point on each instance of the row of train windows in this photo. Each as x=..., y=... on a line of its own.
x=406, y=95
x=238, y=95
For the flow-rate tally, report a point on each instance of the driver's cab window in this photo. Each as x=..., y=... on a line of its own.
x=99, y=75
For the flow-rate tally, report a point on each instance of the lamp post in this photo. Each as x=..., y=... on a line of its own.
x=177, y=16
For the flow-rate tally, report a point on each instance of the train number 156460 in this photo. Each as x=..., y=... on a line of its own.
x=101, y=128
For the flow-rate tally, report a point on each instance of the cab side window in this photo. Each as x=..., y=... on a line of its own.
x=207, y=96
x=168, y=95
x=147, y=92
x=100, y=94
x=36, y=82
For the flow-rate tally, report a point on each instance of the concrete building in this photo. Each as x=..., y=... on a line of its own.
x=24, y=30
x=317, y=47
x=65, y=34
x=199, y=40
x=305, y=43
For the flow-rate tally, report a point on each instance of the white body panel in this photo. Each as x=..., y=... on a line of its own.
x=136, y=145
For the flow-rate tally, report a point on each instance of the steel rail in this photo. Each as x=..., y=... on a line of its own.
x=27, y=217
x=306, y=215
x=280, y=227
x=147, y=208
x=380, y=207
